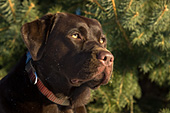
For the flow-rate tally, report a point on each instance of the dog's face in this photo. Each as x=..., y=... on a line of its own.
x=71, y=48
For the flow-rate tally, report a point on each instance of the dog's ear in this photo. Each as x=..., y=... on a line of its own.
x=35, y=34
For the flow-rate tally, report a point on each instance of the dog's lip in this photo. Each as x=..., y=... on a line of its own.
x=106, y=75
x=104, y=81
x=103, y=71
x=77, y=82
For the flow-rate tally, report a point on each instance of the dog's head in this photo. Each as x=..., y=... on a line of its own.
x=69, y=48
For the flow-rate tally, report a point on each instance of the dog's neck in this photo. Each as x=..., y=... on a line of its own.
x=67, y=95
x=59, y=99
x=77, y=95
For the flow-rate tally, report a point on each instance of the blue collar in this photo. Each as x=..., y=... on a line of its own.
x=29, y=57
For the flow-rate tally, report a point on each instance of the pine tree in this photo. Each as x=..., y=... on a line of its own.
x=12, y=15
x=138, y=33
x=139, y=38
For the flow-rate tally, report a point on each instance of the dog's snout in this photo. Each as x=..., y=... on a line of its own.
x=105, y=57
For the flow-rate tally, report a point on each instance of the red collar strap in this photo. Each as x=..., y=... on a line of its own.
x=59, y=99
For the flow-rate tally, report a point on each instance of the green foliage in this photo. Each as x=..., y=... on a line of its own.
x=12, y=15
x=138, y=33
x=165, y=111
x=139, y=38
x=117, y=94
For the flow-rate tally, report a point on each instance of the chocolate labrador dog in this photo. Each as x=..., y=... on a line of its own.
x=67, y=57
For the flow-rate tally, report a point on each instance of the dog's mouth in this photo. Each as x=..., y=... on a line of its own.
x=101, y=77
x=95, y=83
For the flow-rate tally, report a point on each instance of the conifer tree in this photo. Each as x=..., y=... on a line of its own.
x=138, y=33
x=12, y=15
x=139, y=38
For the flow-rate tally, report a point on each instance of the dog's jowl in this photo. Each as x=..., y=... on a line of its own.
x=66, y=57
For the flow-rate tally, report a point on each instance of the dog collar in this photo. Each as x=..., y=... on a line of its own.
x=59, y=99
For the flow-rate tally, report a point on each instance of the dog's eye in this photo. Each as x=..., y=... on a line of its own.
x=102, y=40
x=75, y=36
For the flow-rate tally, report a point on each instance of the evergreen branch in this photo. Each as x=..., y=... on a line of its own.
x=13, y=41
x=137, y=13
x=131, y=97
x=120, y=26
x=163, y=41
x=29, y=9
x=95, y=1
x=12, y=8
x=131, y=106
x=104, y=94
x=32, y=5
x=95, y=109
x=120, y=90
x=114, y=8
x=143, y=4
x=89, y=13
x=127, y=100
x=165, y=9
x=4, y=28
x=140, y=35
x=130, y=3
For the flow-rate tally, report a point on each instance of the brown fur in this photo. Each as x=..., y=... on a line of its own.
x=64, y=64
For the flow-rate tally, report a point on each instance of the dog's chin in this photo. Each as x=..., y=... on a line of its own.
x=101, y=79
x=94, y=79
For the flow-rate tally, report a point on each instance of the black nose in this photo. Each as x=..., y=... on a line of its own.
x=105, y=57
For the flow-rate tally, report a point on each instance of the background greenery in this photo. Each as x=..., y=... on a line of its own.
x=138, y=33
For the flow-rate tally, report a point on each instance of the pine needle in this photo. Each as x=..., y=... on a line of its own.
x=120, y=26
x=12, y=8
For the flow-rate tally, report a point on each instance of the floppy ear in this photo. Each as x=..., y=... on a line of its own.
x=35, y=34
